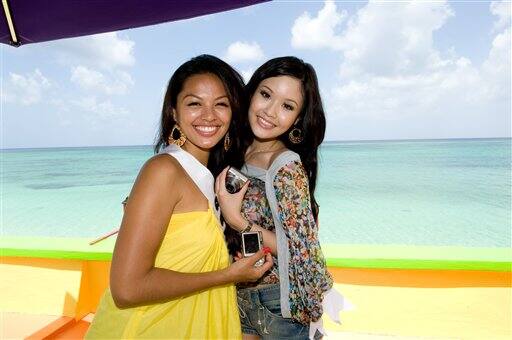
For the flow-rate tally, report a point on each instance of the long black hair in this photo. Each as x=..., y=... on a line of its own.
x=311, y=119
x=311, y=122
x=234, y=86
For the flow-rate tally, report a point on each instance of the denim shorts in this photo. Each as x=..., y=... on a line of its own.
x=260, y=314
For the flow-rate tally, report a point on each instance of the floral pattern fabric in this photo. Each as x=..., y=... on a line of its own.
x=308, y=274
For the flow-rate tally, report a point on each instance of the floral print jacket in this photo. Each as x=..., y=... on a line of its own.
x=278, y=200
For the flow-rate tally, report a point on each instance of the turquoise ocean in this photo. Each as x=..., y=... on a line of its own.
x=419, y=192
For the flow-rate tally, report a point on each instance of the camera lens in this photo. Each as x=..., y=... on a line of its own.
x=230, y=188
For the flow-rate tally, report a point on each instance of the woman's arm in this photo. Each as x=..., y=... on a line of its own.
x=307, y=270
x=134, y=279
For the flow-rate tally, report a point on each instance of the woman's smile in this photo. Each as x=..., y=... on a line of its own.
x=206, y=130
x=265, y=123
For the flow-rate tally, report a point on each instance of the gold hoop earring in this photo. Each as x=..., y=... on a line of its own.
x=227, y=142
x=178, y=140
x=295, y=136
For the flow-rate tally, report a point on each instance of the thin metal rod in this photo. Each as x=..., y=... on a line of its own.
x=8, y=16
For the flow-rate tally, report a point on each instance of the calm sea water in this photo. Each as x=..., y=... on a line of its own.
x=437, y=192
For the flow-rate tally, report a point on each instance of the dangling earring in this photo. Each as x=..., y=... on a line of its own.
x=177, y=136
x=295, y=136
x=227, y=142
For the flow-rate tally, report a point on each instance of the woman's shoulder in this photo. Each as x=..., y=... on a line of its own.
x=157, y=178
x=162, y=166
x=283, y=160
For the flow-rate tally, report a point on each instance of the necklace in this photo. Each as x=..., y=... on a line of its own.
x=265, y=150
x=251, y=154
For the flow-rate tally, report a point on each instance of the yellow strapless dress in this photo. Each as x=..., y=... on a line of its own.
x=193, y=243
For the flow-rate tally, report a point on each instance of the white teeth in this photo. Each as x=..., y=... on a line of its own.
x=206, y=128
x=265, y=122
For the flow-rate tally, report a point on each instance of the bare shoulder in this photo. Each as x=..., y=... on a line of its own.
x=162, y=168
x=163, y=161
x=157, y=182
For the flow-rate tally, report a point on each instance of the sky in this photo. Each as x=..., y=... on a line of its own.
x=387, y=70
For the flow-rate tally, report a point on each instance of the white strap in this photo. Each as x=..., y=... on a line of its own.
x=200, y=174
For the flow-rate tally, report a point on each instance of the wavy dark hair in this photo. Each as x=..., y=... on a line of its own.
x=234, y=86
x=311, y=121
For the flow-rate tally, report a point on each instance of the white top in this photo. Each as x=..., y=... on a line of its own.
x=200, y=174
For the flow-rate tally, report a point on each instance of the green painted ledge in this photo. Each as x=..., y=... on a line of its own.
x=418, y=257
x=56, y=248
x=345, y=256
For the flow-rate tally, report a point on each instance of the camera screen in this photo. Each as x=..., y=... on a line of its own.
x=251, y=242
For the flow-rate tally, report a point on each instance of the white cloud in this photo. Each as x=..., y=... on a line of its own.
x=496, y=69
x=104, y=110
x=117, y=84
x=393, y=78
x=247, y=74
x=106, y=51
x=382, y=38
x=320, y=31
x=409, y=95
x=26, y=89
x=100, y=66
x=389, y=38
x=502, y=10
x=239, y=52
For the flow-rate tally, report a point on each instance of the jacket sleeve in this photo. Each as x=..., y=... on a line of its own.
x=308, y=275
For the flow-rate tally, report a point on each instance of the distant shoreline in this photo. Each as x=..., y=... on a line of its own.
x=327, y=142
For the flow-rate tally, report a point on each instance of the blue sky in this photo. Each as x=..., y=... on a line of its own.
x=387, y=70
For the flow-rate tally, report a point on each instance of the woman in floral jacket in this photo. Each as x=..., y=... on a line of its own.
x=286, y=125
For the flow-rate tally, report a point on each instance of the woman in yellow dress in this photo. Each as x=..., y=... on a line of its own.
x=171, y=276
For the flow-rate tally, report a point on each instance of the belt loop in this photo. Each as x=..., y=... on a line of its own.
x=256, y=295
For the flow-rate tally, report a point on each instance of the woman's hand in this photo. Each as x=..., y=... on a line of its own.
x=230, y=204
x=243, y=270
x=238, y=256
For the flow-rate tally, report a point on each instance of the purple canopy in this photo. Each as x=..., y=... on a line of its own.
x=31, y=21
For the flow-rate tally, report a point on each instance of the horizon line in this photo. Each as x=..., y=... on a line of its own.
x=324, y=142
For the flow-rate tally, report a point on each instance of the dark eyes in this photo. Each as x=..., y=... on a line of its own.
x=223, y=104
x=288, y=107
x=264, y=94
